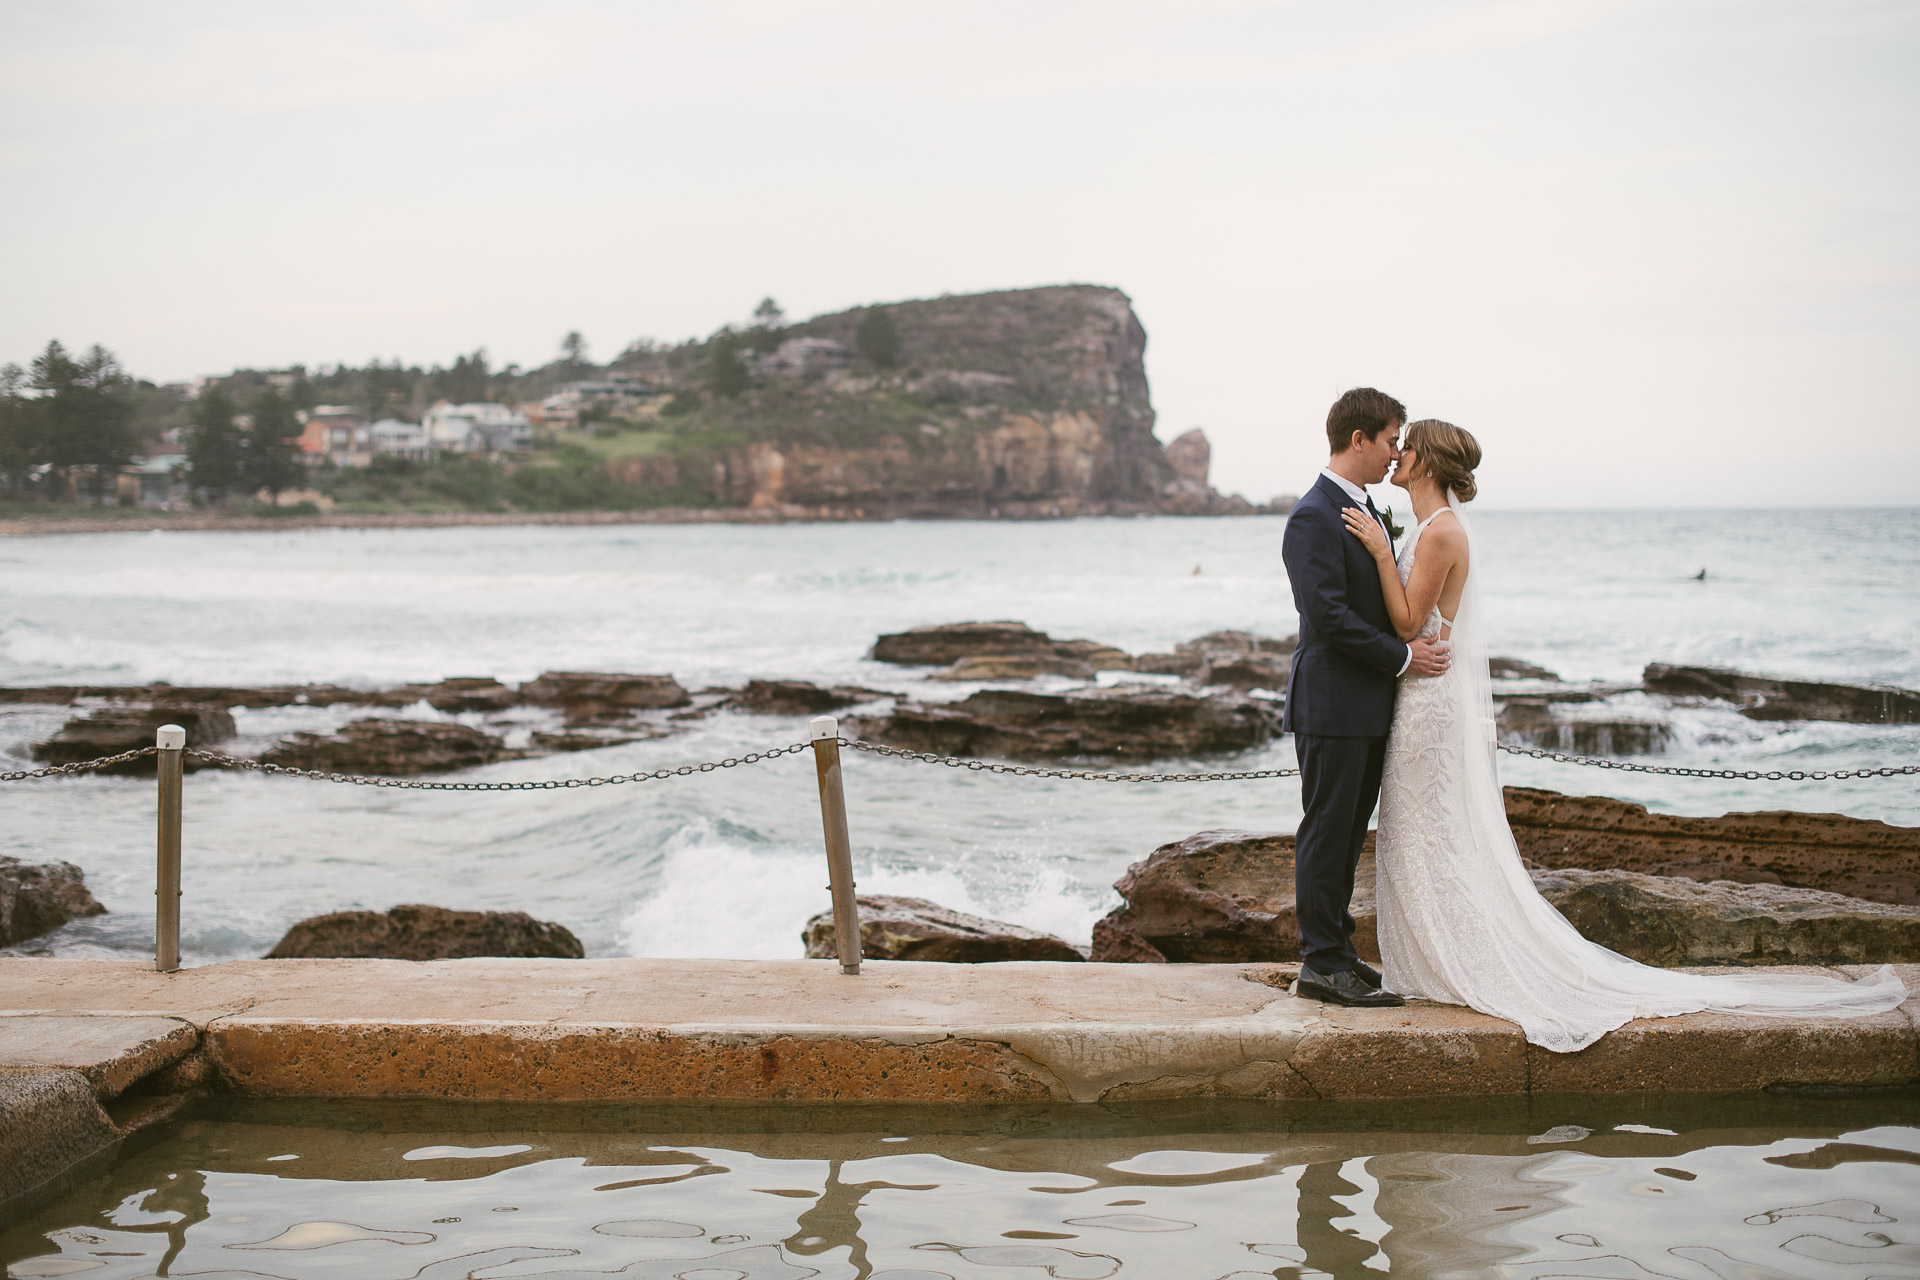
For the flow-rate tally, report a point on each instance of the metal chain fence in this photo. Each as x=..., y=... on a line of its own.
x=970, y=764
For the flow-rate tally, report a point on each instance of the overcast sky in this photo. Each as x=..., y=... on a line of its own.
x=1649, y=253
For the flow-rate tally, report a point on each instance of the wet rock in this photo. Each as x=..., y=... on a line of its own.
x=1771, y=698
x=468, y=693
x=1187, y=665
x=586, y=696
x=1665, y=920
x=800, y=697
x=1540, y=722
x=39, y=897
x=1854, y=856
x=111, y=730
x=425, y=933
x=1219, y=897
x=947, y=643
x=1128, y=722
x=1515, y=669
x=391, y=748
x=1101, y=657
x=591, y=740
x=1237, y=659
x=1008, y=666
x=893, y=928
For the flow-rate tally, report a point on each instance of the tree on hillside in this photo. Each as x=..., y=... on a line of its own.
x=386, y=386
x=573, y=352
x=726, y=364
x=268, y=447
x=877, y=339
x=467, y=381
x=85, y=410
x=216, y=446
x=768, y=315
x=20, y=443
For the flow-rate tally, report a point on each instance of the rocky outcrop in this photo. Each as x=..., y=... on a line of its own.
x=425, y=933
x=1127, y=723
x=1514, y=669
x=893, y=928
x=800, y=697
x=987, y=667
x=949, y=642
x=587, y=696
x=1665, y=920
x=1224, y=897
x=1219, y=897
x=39, y=897
x=1853, y=856
x=1772, y=698
x=112, y=730
x=1552, y=723
x=390, y=748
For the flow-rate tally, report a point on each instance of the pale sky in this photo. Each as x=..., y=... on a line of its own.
x=1651, y=254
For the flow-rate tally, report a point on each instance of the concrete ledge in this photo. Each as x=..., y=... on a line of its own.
x=800, y=1031
x=49, y=1121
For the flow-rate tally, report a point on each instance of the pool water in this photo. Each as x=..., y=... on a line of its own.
x=1752, y=1187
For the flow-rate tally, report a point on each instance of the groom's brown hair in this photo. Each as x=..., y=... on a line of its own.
x=1361, y=409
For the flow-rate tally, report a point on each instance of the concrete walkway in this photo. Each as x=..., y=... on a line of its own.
x=800, y=1031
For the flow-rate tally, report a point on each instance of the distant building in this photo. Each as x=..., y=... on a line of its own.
x=394, y=438
x=800, y=356
x=336, y=432
x=476, y=428
x=156, y=480
x=620, y=394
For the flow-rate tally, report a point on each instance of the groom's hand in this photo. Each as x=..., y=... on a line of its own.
x=1430, y=657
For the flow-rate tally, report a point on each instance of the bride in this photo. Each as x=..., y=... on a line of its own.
x=1459, y=919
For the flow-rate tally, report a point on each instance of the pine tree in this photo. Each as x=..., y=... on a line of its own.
x=269, y=447
x=877, y=338
x=216, y=449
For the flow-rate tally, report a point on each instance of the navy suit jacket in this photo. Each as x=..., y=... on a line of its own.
x=1348, y=660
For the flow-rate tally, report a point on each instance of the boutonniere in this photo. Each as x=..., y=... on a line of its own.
x=1394, y=531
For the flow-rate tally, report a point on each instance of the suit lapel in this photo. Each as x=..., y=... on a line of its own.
x=1341, y=498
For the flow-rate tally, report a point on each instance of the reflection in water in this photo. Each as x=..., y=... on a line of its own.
x=415, y=1193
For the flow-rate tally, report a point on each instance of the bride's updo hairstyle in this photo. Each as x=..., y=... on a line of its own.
x=1447, y=453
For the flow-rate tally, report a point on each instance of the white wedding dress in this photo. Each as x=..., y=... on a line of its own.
x=1459, y=919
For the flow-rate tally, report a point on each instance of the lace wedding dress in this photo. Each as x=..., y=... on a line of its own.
x=1459, y=919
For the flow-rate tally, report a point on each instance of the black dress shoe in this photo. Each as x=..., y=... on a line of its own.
x=1367, y=974
x=1343, y=988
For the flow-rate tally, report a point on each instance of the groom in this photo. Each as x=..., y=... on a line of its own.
x=1340, y=697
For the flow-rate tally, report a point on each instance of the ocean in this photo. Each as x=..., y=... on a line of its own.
x=730, y=863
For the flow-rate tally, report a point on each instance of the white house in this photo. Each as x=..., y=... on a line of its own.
x=476, y=428
x=400, y=439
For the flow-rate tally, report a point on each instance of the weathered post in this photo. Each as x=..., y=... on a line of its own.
x=833, y=816
x=171, y=739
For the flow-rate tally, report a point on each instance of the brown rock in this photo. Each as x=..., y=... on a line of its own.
x=586, y=696
x=1515, y=669
x=1219, y=897
x=1101, y=657
x=1772, y=698
x=947, y=643
x=1189, y=665
x=393, y=748
x=1854, y=856
x=111, y=730
x=893, y=928
x=39, y=897
x=1124, y=723
x=1665, y=920
x=425, y=933
x=1541, y=722
x=469, y=693
x=1238, y=642
x=1015, y=667
x=800, y=697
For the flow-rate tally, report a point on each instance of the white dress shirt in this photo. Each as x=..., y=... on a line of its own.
x=1359, y=497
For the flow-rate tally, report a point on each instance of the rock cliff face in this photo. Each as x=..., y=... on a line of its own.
x=1027, y=402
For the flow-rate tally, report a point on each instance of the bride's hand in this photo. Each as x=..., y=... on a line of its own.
x=1368, y=530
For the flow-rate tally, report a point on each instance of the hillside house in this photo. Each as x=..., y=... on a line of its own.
x=798, y=357
x=476, y=428
x=337, y=432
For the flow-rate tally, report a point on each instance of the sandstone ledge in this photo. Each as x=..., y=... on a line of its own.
x=799, y=1031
